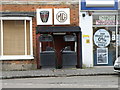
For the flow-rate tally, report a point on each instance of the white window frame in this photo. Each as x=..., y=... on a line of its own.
x=18, y=57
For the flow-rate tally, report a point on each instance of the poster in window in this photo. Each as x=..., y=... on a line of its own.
x=102, y=55
x=102, y=38
x=44, y=16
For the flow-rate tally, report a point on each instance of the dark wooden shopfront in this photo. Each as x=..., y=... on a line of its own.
x=59, y=43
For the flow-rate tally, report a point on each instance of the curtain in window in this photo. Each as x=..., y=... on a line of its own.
x=13, y=37
x=28, y=36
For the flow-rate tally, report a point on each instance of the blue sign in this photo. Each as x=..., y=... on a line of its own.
x=84, y=7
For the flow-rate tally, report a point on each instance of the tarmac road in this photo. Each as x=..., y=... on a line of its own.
x=103, y=81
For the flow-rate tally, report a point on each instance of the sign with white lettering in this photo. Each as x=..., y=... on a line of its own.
x=61, y=16
x=44, y=17
x=106, y=20
x=102, y=38
x=102, y=55
x=106, y=17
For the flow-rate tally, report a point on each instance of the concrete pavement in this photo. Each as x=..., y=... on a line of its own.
x=52, y=72
x=104, y=81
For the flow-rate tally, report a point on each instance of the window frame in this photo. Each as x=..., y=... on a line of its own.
x=18, y=57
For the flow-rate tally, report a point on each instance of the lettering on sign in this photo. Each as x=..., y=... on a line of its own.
x=106, y=20
x=106, y=17
x=61, y=16
x=102, y=38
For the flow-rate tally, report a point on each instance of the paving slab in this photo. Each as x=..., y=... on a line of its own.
x=64, y=72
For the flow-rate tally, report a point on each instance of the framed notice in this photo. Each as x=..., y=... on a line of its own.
x=61, y=16
x=44, y=17
x=102, y=55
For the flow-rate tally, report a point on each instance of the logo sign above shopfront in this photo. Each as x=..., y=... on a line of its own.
x=102, y=38
x=44, y=17
x=99, y=4
x=106, y=20
x=61, y=16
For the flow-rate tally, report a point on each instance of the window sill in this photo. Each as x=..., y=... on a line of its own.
x=16, y=57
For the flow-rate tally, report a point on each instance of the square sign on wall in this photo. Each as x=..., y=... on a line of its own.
x=61, y=16
x=44, y=17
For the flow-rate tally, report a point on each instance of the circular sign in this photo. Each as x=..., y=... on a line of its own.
x=102, y=38
x=61, y=16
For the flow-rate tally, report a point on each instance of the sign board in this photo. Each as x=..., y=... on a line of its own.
x=99, y=4
x=102, y=38
x=106, y=20
x=107, y=17
x=44, y=17
x=61, y=16
x=102, y=55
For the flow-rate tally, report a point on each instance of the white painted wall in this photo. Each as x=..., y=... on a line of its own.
x=87, y=48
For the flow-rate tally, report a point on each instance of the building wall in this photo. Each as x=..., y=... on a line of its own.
x=31, y=6
x=87, y=15
x=87, y=39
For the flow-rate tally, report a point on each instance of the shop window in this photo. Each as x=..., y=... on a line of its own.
x=105, y=55
x=16, y=39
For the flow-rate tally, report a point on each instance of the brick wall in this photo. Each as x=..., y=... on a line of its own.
x=74, y=9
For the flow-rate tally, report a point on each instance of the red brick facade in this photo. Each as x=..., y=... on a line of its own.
x=74, y=20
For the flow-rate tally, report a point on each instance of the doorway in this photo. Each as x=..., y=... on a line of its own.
x=104, y=39
x=105, y=55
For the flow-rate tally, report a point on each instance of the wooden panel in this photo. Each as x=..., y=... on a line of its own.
x=28, y=36
x=13, y=38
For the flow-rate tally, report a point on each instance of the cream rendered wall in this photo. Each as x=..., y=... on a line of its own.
x=87, y=34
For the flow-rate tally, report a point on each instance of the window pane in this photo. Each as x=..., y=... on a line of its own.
x=28, y=37
x=13, y=38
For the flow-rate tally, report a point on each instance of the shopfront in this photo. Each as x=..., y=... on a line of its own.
x=101, y=22
x=59, y=44
x=104, y=36
x=23, y=23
